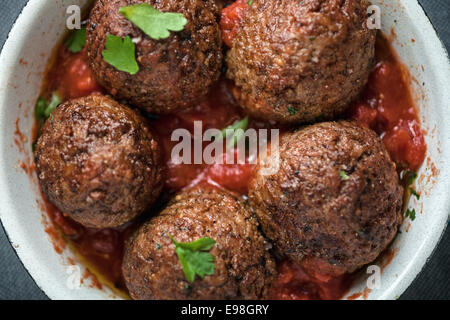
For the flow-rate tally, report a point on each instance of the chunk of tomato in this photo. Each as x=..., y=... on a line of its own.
x=406, y=144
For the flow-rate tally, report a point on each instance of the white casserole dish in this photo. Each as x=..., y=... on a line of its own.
x=22, y=64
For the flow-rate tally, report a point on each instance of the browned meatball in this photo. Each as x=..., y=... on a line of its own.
x=97, y=162
x=336, y=196
x=299, y=61
x=243, y=267
x=174, y=73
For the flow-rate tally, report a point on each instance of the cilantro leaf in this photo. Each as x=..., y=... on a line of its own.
x=43, y=108
x=156, y=24
x=193, y=259
x=75, y=43
x=120, y=53
x=343, y=175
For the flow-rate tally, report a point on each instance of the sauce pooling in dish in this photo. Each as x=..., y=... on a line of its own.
x=386, y=106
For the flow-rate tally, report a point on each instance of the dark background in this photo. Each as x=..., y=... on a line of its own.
x=432, y=283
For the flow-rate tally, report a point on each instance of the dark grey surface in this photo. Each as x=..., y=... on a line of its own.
x=432, y=283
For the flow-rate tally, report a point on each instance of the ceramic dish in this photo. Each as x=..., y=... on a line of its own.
x=22, y=64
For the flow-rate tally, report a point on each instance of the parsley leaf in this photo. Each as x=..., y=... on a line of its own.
x=414, y=193
x=120, y=53
x=202, y=244
x=43, y=108
x=411, y=177
x=154, y=23
x=292, y=111
x=410, y=214
x=193, y=259
x=75, y=43
x=343, y=175
x=39, y=110
x=242, y=124
x=236, y=131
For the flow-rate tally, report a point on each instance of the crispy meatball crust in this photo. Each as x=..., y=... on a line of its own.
x=301, y=61
x=244, y=268
x=174, y=73
x=309, y=208
x=97, y=161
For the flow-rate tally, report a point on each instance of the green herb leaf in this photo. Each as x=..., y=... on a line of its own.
x=193, y=259
x=414, y=193
x=343, y=175
x=292, y=111
x=39, y=110
x=202, y=244
x=43, y=108
x=53, y=104
x=154, y=23
x=250, y=2
x=411, y=177
x=242, y=124
x=75, y=43
x=236, y=131
x=120, y=53
x=188, y=290
x=410, y=214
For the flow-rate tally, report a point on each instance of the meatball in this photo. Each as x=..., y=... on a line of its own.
x=300, y=61
x=335, y=199
x=97, y=161
x=174, y=73
x=244, y=268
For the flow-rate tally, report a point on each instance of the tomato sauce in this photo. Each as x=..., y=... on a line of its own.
x=232, y=15
x=385, y=105
x=71, y=76
x=297, y=283
x=218, y=111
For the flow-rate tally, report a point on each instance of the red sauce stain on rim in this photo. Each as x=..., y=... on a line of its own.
x=354, y=296
x=387, y=257
x=21, y=140
x=385, y=105
x=383, y=261
x=93, y=279
x=365, y=293
x=55, y=234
